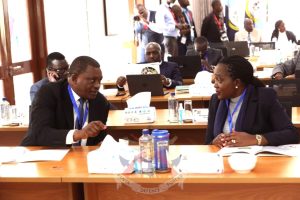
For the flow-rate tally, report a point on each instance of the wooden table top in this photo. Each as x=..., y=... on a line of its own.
x=73, y=168
x=115, y=121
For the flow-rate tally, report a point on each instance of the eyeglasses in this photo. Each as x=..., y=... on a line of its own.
x=61, y=70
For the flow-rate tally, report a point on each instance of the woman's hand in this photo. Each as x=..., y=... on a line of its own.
x=239, y=139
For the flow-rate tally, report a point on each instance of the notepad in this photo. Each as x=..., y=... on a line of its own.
x=22, y=154
x=283, y=150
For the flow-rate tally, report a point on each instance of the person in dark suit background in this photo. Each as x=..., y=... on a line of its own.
x=213, y=24
x=146, y=30
x=186, y=39
x=209, y=56
x=57, y=116
x=243, y=112
x=170, y=74
x=56, y=68
x=280, y=31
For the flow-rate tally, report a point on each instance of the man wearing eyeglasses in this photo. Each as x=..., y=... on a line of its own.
x=56, y=69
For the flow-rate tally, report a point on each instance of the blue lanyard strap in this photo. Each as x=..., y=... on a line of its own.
x=78, y=114
x=204, y=57
x=230, y=115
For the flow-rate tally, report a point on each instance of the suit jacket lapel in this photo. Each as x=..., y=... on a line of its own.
x=220, y=118
x=247, y=112
x=69, y=114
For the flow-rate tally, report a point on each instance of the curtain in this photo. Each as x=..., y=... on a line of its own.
x=200, y=9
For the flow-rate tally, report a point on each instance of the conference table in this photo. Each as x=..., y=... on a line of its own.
x=181, y=133
x=161, y=102
x=274, y=177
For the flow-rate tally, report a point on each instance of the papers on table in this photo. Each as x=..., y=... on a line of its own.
x=22, y=154
x=185, y=160
x=202, y=163
x=283, y=150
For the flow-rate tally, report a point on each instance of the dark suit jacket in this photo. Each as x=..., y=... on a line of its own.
x=261, y=113
x=171, y=71
x=36, y=87
x=210, y=29
x=290, y=35
x=52, y=116
x=213, y=55
x=188, y=38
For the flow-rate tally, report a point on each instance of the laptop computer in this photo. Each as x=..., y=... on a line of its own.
x=145, y=83
x=189, y=66
x=237, y=48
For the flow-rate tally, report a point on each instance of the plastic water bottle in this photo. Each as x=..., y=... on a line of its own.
x=4, y=106
x=146, y=151
x=180, y=113
x=173, y=108
x=161, y=147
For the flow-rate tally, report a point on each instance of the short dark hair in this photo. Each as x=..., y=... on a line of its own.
x=214, y=2
x=54, y=56
x=201, y=40
x=80, y=64
x=240, y=68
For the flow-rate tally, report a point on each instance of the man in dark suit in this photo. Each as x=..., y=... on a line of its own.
x=213, y=25
x=70, y=111
x=187, y=39
x=170, y=74
x=146, y=30
x=56, y=69
x=209, y=56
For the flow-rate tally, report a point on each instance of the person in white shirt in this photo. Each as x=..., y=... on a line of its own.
x=165, y=20
x=249, y=33
x=281, y=34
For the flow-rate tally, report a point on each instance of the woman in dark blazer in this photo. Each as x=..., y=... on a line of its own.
x=279, y=27
x=243, y=112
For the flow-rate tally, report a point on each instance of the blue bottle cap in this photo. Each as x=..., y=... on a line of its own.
x=146, y=131
x=172, y=94
x=157, y=132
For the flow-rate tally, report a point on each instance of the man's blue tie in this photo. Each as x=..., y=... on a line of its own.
x=79, y=119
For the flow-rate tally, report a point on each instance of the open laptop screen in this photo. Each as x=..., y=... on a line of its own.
x=145, y=83
x=189, y=66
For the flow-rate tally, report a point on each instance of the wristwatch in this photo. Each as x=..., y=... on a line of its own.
x=258, y=138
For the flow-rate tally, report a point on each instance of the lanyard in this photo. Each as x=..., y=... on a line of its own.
x=218, y=22
x=78, y=114
x=204, y=57
x=230, y=115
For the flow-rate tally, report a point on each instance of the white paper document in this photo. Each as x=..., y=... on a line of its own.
x=43, y=155
x=111, y=157
x=200, y=163
x=22, y=154
x=283, y=150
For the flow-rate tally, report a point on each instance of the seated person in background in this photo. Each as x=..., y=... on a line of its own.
x=209, y=56
x=70, y=111
x=170, y=74
x=280, y=34
x=56, y=69
x=287, y=68
x=243, y=112
x=249, y=33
